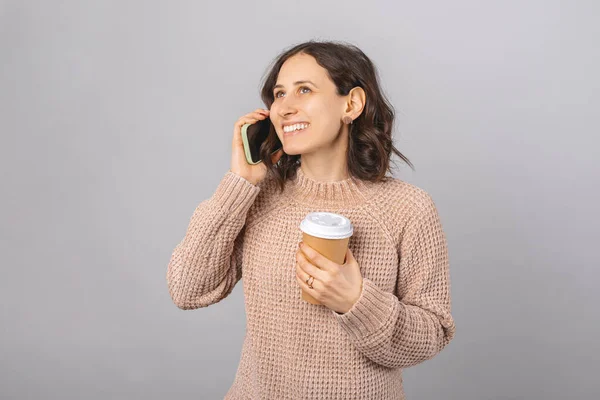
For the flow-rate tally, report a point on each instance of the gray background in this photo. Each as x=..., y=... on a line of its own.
x=116, y=121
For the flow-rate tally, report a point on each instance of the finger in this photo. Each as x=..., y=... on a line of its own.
x=251, y=118
x=259, y=114
x=244, y=120
x=314, y=291
x=304, y=267
x=316, y=258
x=348, y=257
x=247, y=120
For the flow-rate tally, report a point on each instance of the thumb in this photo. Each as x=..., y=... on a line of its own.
x=349, y=258
x=351, y=262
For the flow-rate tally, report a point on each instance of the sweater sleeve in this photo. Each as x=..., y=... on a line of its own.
x=403, y=329
x=206, y=265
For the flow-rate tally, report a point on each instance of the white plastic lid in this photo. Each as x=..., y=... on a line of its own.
x=327, y=225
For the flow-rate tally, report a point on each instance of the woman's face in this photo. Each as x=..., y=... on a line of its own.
x=304, y=93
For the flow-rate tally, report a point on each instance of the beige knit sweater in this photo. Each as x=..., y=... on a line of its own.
x=296, y=350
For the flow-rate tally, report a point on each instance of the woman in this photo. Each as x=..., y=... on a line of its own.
x=387, y=307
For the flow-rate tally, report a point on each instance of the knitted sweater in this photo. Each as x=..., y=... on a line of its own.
x=296, y=350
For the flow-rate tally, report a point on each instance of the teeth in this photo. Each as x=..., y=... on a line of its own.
x=295, y=127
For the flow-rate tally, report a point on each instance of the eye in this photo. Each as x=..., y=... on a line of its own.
x=276, y=95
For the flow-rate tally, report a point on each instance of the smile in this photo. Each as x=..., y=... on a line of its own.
x=294, y=129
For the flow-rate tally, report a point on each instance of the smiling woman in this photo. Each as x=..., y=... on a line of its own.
x=387, y=307
x=321, y=84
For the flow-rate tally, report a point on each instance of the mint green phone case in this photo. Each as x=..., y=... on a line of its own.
x=247, y=146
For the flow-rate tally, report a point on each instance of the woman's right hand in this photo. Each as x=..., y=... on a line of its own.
x=239, y=165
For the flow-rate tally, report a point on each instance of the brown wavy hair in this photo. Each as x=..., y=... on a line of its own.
x=370, y=135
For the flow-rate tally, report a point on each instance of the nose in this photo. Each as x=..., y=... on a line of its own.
x=287, y=107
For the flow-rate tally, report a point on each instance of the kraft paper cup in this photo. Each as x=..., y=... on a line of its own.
x=329, y=234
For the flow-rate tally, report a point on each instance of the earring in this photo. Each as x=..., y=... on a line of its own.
x=347, y=120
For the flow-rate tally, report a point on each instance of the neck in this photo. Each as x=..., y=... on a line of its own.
x=328, y=194
x=330, y=168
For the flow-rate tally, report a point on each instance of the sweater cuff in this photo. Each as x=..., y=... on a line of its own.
x=371, y=313
x=235, y=195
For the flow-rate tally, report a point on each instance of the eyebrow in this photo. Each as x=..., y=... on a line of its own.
x=295, y=83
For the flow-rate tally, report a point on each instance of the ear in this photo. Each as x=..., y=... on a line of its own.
x=355, y=102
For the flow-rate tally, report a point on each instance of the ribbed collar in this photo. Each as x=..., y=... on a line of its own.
x=345, y=193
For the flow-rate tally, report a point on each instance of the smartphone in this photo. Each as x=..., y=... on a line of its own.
x=253, y=136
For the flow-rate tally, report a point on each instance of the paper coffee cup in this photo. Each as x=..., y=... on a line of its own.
x=329, y=234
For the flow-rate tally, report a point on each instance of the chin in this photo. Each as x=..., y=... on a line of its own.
x=292, y=152
x=293, y=149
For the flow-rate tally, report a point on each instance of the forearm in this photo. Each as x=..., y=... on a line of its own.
x=392, y=333
x=204, y=267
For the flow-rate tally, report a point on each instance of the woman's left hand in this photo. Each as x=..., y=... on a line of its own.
x=335, y=286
